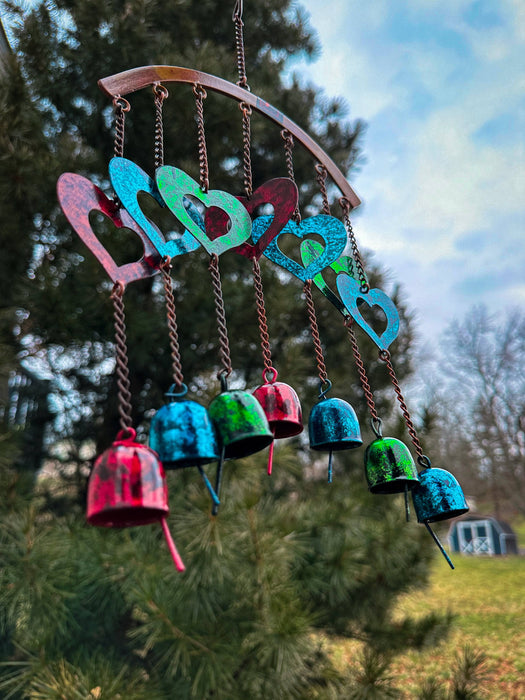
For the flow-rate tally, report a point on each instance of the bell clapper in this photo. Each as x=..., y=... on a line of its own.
x=179, y=564
x=208, y=485
x=270, y=455
x=218, y=480
x=441, y=548
x=407, y=506
x=330, y=467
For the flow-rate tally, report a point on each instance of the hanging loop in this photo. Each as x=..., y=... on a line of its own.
x=377, y=427
x=324, y=388
x=269, y=375
x=160, y=91
x=223, y=378
x=238, y=10
x=172, y=394
x=424, y=462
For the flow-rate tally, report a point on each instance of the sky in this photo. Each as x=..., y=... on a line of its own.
x=441, y=85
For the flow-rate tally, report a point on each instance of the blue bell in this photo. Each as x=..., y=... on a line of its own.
x=438, y=496
x=182, y=434
x=333, y=426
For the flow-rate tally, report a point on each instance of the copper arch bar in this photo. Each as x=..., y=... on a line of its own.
x=139, y=78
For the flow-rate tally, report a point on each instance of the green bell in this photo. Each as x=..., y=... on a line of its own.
x=389, y=466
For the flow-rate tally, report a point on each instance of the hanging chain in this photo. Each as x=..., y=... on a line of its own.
x=161, y=94
x=200, y=96
x=239, y=45
x=384, y=356
x=178, y=377
x=288, y=154
x=224, y=345
x=321, y=175
x=321, y=367
x=345, y=206
x=362, y=372
x=123, y=383
x=121, y=107
x=261, y=313
x=246, y=138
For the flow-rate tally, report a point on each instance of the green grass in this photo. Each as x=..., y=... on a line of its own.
x=487, y=596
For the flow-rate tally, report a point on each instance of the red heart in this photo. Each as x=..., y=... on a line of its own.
x=78, y=196
x=281, y=193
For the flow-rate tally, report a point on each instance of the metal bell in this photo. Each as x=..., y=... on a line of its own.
x=127, y=487
x=240, y=422
x=282, y=408
x=333, y=426
x=389, y=466
x=438, y=496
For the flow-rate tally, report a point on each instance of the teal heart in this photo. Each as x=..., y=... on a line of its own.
x=330, y=229
x=350, y=292
x=128, y=180
x=175, y=186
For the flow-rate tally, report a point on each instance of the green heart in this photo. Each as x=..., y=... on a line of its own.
x=174, y=185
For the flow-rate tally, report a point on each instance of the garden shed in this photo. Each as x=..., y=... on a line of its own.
x=482, y=535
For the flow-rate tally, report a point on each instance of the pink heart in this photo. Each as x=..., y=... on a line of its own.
x=281, y=193
x=78, y=196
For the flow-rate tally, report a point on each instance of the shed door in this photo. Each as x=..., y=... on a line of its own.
x=475, y=537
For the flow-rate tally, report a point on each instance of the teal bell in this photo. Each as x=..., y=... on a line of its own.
x=333, y=426
x=438, y=496
x=183, y=435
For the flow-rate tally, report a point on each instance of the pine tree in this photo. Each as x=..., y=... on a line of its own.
x=91, y=613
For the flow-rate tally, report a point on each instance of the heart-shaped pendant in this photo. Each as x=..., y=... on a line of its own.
x=78, y=196
x=281, y=193
x=327, y=227
x=310, y=251
x=350, y=292
x=175, y=185
x=128, y=180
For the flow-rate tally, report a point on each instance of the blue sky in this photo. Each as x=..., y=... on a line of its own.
x=441, y=84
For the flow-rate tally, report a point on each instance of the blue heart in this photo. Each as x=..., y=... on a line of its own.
x=128, y=180
x=330, y=229
x=350, y=292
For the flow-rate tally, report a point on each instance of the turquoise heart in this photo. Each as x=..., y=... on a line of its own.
x=128, y=180
x=350, y=292
x=175, y=186
x=330, y=229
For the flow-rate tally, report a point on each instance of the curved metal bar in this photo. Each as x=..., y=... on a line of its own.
x=139, y=78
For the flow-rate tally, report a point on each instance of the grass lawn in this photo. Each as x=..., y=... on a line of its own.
x=487, y=595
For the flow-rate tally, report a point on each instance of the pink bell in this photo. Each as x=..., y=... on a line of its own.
x=127, y=487
x=281, y=406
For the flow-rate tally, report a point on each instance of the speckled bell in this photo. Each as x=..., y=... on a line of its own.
x=183, y=435
x=438, y=496
x=333, y=426
x=127, y=487
x=282, y=408
x=389, y=466
x=240, y=422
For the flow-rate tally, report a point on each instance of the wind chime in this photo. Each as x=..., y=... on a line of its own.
x=127, y=486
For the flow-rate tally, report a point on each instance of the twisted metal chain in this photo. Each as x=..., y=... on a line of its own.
x=361, y=370
x=171, y=315
x=246, y=138
x=239, y=45
x=345, y=206
x=121, y=107
x=122, y=371
x=321, y=367
x=384, y=356
x=288, y=154
x=161, y=94
x=261, y=313
x=224, y=344
x=200, y=96
x=321, y=175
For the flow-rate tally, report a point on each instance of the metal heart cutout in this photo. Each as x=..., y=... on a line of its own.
x=311, y=250
x=128, y=180
x=350, y=292
x=281, y=193
x=327, y=227
x=78, y=196
x=174, y=185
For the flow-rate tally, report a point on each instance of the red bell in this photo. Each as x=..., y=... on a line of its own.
x=281, y=406
x=127, y=487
